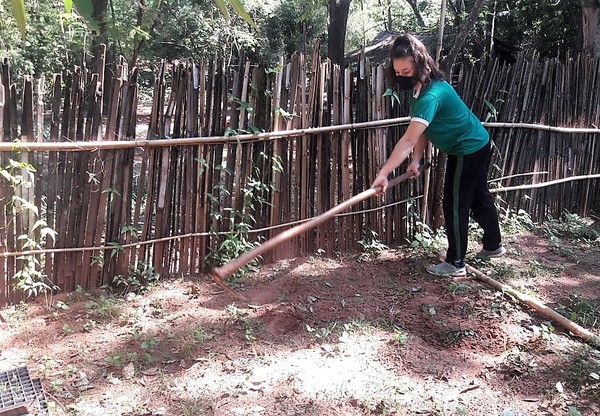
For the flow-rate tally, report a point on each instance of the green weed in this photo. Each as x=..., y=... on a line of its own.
x=190, y=409
x=139, y=279
x=322, y=333
x=400, y=336
x=241, y=222
x=536, y=269
x=512, y=222
x=370, y=244
x=571, y=226
x=103, y=308
x=67, y=329
x=502, y=271
x=30, y=279
x=114, y=360
x=583, y=311
x=458, y=288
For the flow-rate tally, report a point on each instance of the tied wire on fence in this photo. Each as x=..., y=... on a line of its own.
x=238, y=154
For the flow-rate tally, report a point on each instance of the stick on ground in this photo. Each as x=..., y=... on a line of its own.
x=539, y=306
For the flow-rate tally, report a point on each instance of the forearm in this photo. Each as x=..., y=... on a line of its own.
x=403, y=148
x=399, y=155
x=419, y=149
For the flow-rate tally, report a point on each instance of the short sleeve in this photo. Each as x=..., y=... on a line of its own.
x=424, y=108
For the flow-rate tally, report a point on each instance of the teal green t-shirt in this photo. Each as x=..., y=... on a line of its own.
x=451, y=126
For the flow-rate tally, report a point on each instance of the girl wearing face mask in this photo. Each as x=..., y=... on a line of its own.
x=439, y=115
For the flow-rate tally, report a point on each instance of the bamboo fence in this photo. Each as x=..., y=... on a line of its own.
x=237, y=154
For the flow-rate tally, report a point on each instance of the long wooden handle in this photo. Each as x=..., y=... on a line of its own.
x=220, y=274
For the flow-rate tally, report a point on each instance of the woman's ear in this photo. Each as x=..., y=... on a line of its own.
x=390, y=74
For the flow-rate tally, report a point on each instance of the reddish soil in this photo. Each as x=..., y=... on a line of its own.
x=349, y=336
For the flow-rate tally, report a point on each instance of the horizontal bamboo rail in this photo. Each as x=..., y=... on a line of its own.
x=249, y=138
x=191, y=141
x=192, y=235
x=545, y=184
x=544, y=127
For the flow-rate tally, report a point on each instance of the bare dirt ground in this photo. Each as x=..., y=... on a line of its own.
x=359, y=335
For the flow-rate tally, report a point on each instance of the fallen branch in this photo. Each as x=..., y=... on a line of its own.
x=540, y=307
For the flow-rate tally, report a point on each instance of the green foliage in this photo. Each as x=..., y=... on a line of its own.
x=394, y=96
x=583, y=311
x=428, y=240
x=370, y=243
x=55, y=40
x=250, y=326
x=239, y=9
x=571, y=226
x=502, y=271
x=322, y=333
x=369, y=17
x=459, y=288
x=18, y=8
x=289, y=27
x=30, y=278
x=139, y=279
x=85, y=8
x=103, y=308
x=241, y=222
x=512, y=222
x=550, y=27
x=400, y=336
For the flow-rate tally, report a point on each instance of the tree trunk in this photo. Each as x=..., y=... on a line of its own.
x=465, y=29
x=338, y=17
x=413, y=5
x=99, y=15
x=591, y=27
x=389, y=16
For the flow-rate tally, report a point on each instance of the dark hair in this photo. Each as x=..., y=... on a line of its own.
x=426, y=69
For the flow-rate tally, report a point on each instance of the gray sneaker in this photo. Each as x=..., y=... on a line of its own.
x=491, y=254
x=447, y=270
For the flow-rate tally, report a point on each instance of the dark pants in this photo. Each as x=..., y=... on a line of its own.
x=465, y=191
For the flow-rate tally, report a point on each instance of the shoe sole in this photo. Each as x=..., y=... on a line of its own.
x=491, y=256
x=447, y=274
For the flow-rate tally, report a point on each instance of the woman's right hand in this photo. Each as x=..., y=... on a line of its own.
x=380, y=183
x=414, y=168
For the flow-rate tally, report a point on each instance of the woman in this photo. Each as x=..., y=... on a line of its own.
x=439, y=115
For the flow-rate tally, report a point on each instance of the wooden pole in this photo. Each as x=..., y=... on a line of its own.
x=220, y=274
x=538, y=306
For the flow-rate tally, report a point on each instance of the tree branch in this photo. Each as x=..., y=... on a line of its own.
x=413, y=5
x=460, y=40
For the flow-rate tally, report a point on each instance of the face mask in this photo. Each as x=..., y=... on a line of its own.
x=404, y=83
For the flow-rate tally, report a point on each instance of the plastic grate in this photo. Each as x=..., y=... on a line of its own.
x=18, y=389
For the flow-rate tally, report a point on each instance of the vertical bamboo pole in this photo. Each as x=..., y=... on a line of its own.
x=346, y=223
x=4, y=277
x=275, y=203
x=333, y=156
x=123, y=174
x=201, y=175
x=50, y=271
x=188, y=260
x=91, y=191
x=63, y=187
x=28, y=217
x=320, y=175
x=79, y=184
